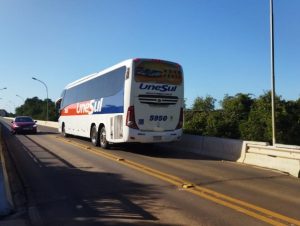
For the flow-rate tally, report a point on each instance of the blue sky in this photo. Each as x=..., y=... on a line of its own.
x=222, y=45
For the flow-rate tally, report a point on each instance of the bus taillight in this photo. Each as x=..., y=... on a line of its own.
x=180, y=123
x=130, y=118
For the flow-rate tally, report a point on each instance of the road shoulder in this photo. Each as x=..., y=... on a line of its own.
x=12, y=193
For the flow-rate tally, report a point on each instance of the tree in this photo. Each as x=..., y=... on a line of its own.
x=288, y=122
x=196, y=118
x=206, y=104
x=258, y=127
x=236, y=110
x=242, y=117
x=36, y=108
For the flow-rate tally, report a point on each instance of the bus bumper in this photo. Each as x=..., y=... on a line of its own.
x=154, y=137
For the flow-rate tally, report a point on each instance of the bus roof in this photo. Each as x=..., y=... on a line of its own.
x=127, y=63
x=91, y=76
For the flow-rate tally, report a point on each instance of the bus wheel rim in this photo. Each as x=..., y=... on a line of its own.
x=103, y=137
x=94, y=135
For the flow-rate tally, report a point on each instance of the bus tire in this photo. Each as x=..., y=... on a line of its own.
x=103, y=142
x=63, y=131
x=94, y=136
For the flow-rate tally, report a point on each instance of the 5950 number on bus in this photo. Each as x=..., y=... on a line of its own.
x=158, y=118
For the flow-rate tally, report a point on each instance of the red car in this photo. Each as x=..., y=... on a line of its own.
x=23, y=124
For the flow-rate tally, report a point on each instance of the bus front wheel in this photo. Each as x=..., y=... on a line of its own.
x=103, y=142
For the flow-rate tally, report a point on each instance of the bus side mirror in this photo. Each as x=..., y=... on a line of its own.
x=57, y=104
x=57, y=107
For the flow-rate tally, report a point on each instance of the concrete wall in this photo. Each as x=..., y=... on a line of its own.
x=282, y=158
x=285, y=158
x=221, y=148
x=42, y=123
x=6, y=204
x=47, y=123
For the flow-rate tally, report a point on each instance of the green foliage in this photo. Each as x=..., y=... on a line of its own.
x=240, y=117
x=206, y=104
x=258, y=126
x=236, y=110
x=196, y=120
x=244, y=117
x=37, y=109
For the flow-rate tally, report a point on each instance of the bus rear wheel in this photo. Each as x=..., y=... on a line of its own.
x=94, y=136
x=63, y=131
x=103, y=142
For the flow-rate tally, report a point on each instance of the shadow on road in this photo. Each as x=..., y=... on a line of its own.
x=158, y=151
x=151, y=150
x=68, y=194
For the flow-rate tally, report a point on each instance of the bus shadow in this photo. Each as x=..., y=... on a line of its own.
x=151, y=150
x=40, y=133
x=157, y=151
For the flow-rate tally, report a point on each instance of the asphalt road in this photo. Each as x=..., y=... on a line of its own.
x=60, y=181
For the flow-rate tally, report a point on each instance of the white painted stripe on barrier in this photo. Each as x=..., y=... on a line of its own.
x=273, y=151
x=294, y=147
x=273, y=157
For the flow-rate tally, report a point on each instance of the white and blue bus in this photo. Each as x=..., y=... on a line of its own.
x=137, y=100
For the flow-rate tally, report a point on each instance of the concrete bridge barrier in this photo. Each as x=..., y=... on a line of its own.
x=221, y=148
x=285, y=158
x=6, y=203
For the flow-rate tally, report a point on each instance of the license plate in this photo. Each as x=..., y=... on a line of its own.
x=157, y=138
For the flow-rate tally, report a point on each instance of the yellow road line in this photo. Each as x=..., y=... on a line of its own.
x=249, y=209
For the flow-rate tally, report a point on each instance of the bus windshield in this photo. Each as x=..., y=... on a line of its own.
x=157, y=71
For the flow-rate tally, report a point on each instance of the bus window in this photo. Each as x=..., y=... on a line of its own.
x=157, y=71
